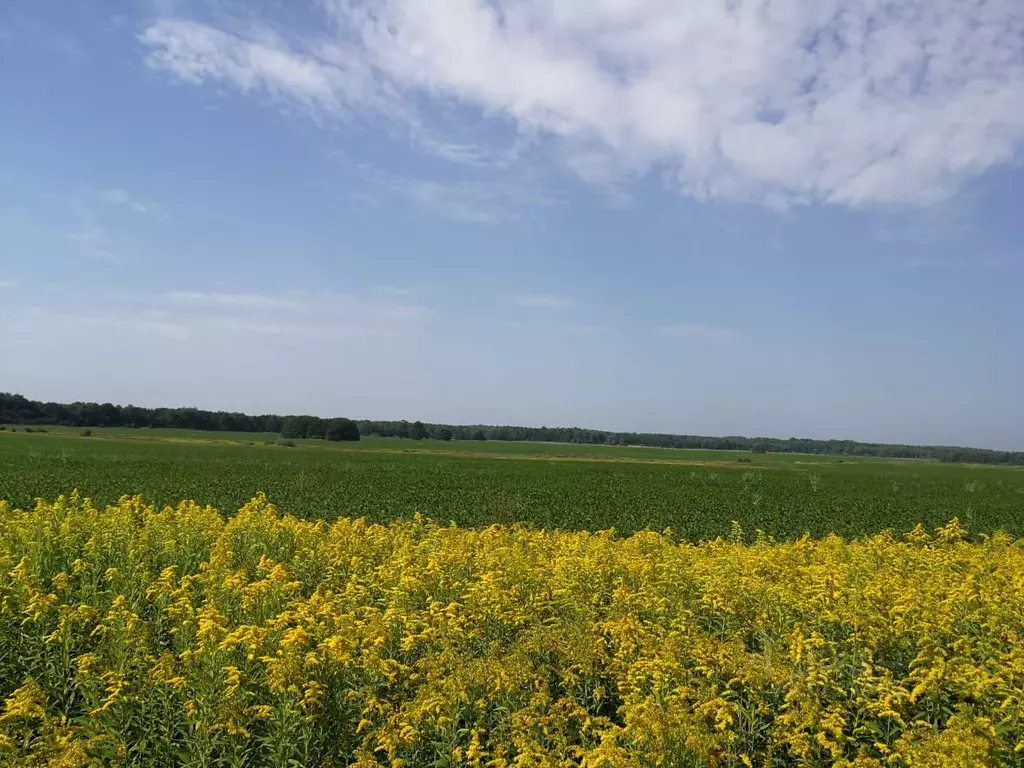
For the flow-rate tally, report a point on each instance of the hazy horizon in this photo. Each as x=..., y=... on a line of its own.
x=356, y=417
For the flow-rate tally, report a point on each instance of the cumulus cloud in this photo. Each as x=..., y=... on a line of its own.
x=853, y=102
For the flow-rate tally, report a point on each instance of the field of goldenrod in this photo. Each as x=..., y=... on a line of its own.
x=136, y=636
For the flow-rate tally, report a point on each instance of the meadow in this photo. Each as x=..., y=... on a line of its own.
x=135, y=636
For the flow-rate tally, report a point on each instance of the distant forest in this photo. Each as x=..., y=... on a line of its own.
x=16, y=409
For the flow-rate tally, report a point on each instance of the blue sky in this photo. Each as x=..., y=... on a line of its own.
x=776, y=218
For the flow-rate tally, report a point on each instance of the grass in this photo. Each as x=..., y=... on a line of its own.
x=695, y=493
x=502, y=448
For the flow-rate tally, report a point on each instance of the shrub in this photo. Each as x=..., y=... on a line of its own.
x=86, y=433
x=181, y=637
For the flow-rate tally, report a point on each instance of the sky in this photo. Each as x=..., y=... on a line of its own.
x=755, y=217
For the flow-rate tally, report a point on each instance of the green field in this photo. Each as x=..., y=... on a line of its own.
x=695, y=493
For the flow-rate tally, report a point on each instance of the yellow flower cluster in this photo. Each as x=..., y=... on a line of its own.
x=136, y=636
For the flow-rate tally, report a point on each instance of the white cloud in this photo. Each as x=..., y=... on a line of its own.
x=463, y=201
x=90, y=234
x=8, y=284
x=708, y=334
x=961, y=263
x=325, y=314
x=115, y=196
x=853, y=102
x=120, y=197
x=92, y=240
x=265, y=63
x=230, y=300
x=87, y=322
x=394, y=290
x=303, y=319
x=478, y=202
x=544, y=301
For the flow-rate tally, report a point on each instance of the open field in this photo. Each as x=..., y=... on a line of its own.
x=695, y=493
x=155, y=636
x=462, y=447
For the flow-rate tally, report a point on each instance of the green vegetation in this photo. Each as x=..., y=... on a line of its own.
x=20, y=410
x=695, y=493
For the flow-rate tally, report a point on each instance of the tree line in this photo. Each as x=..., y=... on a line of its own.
x=16, y=409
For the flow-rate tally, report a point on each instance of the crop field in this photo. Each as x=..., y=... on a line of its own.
x=696, y=494
x=135, y=636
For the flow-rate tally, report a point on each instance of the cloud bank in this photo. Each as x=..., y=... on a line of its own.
x=853, y=102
